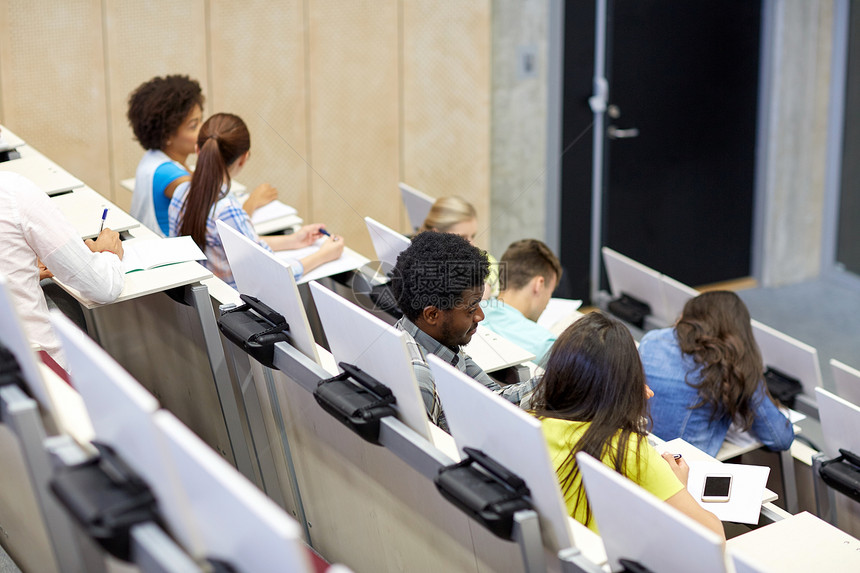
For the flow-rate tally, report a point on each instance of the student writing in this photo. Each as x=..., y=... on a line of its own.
x=39, y=242
x=223, y=148
x=593, y=398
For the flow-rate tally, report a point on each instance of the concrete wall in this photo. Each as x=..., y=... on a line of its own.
x=519, y=122
x=794, y=194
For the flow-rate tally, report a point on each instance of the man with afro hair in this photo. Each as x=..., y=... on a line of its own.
x=438, y=283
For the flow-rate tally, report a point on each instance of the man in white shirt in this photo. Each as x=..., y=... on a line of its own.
x=32, y=229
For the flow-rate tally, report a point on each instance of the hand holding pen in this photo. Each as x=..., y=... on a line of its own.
x=327, y=234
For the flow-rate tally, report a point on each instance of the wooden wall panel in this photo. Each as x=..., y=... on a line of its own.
x=446, y=101
x=53, y=82
x=258, y=72
x=147, y=39
x=353, y=91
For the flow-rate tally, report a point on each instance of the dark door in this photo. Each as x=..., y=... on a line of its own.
x=848, y=236
x=681, y=133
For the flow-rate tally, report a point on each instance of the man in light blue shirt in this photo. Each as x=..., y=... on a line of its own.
x=528, y=272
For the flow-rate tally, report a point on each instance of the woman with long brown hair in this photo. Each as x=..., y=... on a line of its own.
x=593, y=398
x=706, y=373
x=223, y=148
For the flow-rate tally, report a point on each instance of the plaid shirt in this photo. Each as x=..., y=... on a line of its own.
x=230, y=211
x=420, y=344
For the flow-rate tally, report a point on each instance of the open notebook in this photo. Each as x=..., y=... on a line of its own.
x=140, y=255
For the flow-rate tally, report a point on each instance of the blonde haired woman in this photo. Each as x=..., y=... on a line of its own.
x=457, y=216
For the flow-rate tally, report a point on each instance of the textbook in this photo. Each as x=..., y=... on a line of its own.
x=141, y=255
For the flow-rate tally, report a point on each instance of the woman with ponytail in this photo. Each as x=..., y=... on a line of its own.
x=165, y=114
x=593, y=398
x=706, y=374
x=223, y=148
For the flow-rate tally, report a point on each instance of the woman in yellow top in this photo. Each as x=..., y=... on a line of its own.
x=593, y=399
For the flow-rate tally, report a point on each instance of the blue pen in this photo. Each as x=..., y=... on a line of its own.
x=327, y=234
x=104, y=216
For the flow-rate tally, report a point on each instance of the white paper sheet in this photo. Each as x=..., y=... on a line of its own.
x=748, y=484
x=274, y=210
x=559, y=314
x=348, y=261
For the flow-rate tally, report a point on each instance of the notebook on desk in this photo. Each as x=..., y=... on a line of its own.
x=493, y=352
x=141, y=255
x=694, y=455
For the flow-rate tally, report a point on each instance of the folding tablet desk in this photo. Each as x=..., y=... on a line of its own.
x=83, y=207
x=8, y=140
x=47, y=175
x=801, y=542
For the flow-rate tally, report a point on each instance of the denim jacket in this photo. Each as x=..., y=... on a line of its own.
x=670, y=373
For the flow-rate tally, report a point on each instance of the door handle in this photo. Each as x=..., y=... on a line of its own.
x=614, y=133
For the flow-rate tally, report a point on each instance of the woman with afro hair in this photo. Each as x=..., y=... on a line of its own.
x=165, y=114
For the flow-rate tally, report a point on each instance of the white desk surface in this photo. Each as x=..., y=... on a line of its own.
x=142, y=283
x=493, y=352
x=729, y=450
x=47, y=175
x=83, y=208
x=265, y=228
x=798, y=543
x=8, y=140
x=350, y=260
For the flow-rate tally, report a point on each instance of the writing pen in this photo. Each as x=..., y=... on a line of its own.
x=104, y=216
x=327, y=234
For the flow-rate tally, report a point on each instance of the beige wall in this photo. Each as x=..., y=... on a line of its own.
x=343, y=99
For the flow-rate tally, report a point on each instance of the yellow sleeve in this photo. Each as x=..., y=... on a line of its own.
x=656, y=475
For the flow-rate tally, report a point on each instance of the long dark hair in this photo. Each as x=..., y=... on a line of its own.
x=715, y=330
x=223, y=138
x=594, y=375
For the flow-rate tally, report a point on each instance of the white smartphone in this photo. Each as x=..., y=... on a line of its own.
x=718, y=488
